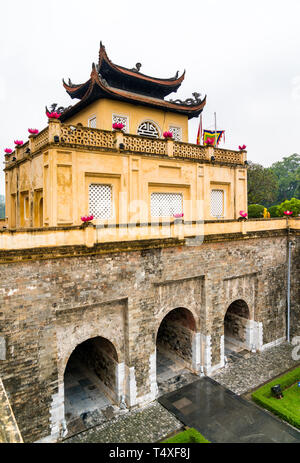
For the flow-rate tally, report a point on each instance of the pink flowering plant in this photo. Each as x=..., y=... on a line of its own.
x=178, y=216
x=288, y=213
x=242, y=147
x=87, y=218
x=18, y=142
x=7, y=151
x=168, y=134
x=53, y=115
x=33, y=131
x=118, y=126
x=243, y=214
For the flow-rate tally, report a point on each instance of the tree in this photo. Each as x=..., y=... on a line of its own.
x=289, y=205
x=262, y=185
x=288, y=174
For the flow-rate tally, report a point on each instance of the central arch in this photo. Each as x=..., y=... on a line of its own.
x=236, y=327
x=90, y=380
x=175, y=347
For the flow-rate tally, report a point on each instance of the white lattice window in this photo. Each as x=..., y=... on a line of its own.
x=92, y=122
x=121, y=120
x=166, y=204
x=217, y=203
x=177, y=133
x=148, y=129
x=100, y=201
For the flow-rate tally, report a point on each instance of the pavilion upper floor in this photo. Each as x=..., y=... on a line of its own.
x=68, y=171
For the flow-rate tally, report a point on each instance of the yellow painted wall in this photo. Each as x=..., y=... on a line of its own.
x=104, y=110
x=61, y=178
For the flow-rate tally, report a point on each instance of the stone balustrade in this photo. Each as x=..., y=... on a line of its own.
x=90, y=235
x=64, y=134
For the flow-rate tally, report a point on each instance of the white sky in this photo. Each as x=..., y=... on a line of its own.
x=243, y=54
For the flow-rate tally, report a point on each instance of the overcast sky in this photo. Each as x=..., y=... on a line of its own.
x=243, y=54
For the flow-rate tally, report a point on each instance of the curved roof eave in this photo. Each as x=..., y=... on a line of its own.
x=173, y=82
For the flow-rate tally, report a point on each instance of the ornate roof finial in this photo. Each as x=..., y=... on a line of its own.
x=137, y=67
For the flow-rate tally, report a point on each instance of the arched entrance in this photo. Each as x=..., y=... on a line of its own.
x=236, y=327
x=175, y=347
x=90, y=382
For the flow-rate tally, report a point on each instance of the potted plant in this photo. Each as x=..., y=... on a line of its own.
x=33, y=131
x=168, y=135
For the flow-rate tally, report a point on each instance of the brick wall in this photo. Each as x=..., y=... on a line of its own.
x=48, y=306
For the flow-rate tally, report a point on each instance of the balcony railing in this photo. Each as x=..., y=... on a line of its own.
x=64, y=134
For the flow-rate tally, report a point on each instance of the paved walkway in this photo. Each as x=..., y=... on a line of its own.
x=148, y=425
x=154, y=422
x=222, y=416
x=244, y=374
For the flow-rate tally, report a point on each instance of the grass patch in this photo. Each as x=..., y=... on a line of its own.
x=288, y=408
x=190, y=436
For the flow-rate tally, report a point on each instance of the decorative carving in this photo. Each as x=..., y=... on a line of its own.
x=87, y=136
x=59, y=110
x=102, y=80
x=188, y=150
x=189, y=101
x=148, y=129
x=227, y=156
x=144, y=145
x=137, y=67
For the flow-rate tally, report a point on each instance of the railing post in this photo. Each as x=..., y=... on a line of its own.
x=170, y=147
x=244, y=156
x=209, y=152
x=119, y=138
x=89, y=235
x=31, y=143
x=54, y=129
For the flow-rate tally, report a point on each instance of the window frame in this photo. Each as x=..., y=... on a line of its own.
x=126, y=128
x=166, y=193
x=176, y=127
x=93, y=117
x=224, y=203
x=112, y=208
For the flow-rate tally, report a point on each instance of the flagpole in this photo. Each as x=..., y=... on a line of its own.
x=215, y=128
x=200, y=129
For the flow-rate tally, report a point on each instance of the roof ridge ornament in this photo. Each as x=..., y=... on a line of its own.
x=137, y=67
x=189, y=101
x=58, y=110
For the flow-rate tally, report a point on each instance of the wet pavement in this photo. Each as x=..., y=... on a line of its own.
x=246, y=371
x=150, y=424
x=222, y=416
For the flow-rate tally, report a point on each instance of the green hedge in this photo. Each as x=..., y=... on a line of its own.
x=273, y=211
x=263, y=397
x=255, y=211
x=189, y=436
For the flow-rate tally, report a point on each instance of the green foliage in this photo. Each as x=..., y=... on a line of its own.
x=2, y=207
x=287, y=408
x=262, y=185
x=255, y=211
x=273, y=211
x=289, y=205
x=288, y=175
x=191, y=435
